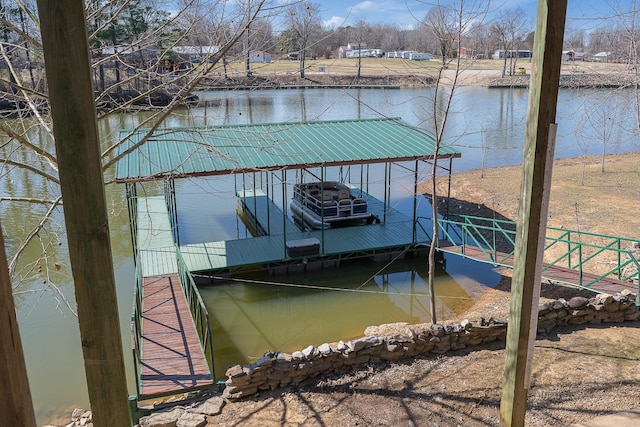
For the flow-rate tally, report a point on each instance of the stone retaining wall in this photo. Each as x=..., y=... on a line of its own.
x=577, y=80
x=401, y=340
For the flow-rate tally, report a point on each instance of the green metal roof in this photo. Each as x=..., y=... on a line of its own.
x=220, y=150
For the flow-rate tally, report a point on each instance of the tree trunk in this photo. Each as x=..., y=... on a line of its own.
x=504, y=63
x=66, y=53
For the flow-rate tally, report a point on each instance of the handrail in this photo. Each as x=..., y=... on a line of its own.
x=575, y=254
x=199, y=312
x=136, y=327
x=132, y=208
x=172, y=208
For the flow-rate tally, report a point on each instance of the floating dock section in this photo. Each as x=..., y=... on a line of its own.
x=280, y=244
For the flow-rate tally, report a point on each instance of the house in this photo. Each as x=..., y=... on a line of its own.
x=196, y=53
x=260, y=57
x=342, y=50
x=568, y=55
x=603, y=57
x=500, y=54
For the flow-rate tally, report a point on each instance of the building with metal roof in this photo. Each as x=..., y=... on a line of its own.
x=231, y=149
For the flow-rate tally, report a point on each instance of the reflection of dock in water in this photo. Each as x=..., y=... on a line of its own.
x=252, y=317
x=451, y=298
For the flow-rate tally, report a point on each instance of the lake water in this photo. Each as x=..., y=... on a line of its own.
x=270, y=313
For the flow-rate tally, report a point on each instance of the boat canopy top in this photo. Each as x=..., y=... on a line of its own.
x=222, y=150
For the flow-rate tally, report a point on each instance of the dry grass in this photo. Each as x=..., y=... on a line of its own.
x=583, y=198
x=394, y=67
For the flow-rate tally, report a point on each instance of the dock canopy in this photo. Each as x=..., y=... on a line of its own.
x=222, y=150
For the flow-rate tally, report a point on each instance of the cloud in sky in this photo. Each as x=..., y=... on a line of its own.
x=362, y=6
x=333, y=22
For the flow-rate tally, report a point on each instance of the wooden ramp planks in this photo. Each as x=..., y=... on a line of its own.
x=564, y=275
x=172, y=360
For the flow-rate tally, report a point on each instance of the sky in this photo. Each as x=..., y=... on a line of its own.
x=407, y=13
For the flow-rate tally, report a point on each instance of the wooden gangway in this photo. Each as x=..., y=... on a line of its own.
x=172, y=359
x=553, y=273
x=571, y=257
x=168, y=351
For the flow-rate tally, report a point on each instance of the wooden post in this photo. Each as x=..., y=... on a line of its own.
x=66, y=53
x=532, y=216
x=16, y=405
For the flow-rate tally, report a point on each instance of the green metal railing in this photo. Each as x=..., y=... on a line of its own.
x=199, y=312
x=132, y=208
x=582, y=251
x=136, y=327
x=488, y=235
x=579, y=251
x=170, y=200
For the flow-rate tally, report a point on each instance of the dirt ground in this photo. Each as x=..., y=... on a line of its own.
x=579, y=373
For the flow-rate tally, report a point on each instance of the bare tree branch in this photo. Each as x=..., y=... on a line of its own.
x=34, y=232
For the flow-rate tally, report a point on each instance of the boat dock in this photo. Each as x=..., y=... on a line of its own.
x=166, y=359
x=274, y=230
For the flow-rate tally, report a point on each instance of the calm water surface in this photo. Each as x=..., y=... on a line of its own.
x=269, y=313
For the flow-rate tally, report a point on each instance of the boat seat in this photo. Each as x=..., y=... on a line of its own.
x=327, y=196
x=344, y=194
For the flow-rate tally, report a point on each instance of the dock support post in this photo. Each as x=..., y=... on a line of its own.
x=73, y=111
x=414, y=236
x=386, y=179
x=284, y=216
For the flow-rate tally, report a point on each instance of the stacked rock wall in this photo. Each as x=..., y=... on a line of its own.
x=401, y=340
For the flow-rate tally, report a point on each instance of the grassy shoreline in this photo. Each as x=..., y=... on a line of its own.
x=582, y=196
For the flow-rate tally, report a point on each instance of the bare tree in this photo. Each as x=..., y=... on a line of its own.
x=304, y=23
x=575, y=39
x=625, y=18
x=444, y=29
x=510, y=29
x=361, y=33
x=450, y=22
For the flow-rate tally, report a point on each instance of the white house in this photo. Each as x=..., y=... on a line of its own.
x=259, y=57
x=602, y=56
x=342, y=50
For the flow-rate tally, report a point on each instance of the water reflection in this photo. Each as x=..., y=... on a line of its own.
x=258, y=312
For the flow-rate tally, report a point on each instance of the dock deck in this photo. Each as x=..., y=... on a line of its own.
x=172, y=360
x=156, y=247
x=395, y=232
